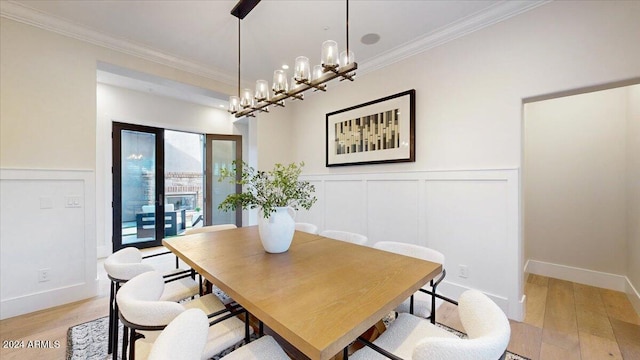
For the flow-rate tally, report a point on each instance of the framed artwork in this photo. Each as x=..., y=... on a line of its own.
x=376, y=132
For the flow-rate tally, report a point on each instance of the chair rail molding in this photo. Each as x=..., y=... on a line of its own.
x=471, y=216
x=47, y=239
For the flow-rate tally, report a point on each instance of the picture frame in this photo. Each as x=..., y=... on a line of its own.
x=376, y=132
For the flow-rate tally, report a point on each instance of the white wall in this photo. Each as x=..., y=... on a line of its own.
x=129, y=106
x=633, y=195
x=469, y=96
x=469, y=92
x=575, y=181
x=47, y=223
x=48, y=131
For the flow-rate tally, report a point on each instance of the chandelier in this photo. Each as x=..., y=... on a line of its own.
x=332, y=65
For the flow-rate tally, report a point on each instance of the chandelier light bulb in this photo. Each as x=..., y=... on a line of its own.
x=247, y=98
x=302, y=69
x=262, y=90
x=329, y=53
x=344, y=60
x=279, y=81
x=234, y=104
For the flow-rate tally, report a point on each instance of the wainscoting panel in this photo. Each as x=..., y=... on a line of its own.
x=393, y=202
x=345, y=205
x=473, y=217
x=48, y=244
x=473, y=213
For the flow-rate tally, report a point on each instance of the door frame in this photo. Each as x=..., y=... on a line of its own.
x=116, y=169
x=208, y=199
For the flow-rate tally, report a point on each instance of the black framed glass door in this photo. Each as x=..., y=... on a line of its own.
x=159, y=186
x=138, y=186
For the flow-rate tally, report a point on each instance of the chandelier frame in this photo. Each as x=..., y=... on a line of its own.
x=330, y=72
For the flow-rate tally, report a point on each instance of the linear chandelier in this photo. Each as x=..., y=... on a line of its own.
x=332, y=65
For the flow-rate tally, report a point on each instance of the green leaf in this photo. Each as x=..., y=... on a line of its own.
x=279, y=187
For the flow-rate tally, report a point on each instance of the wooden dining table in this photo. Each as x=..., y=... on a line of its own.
x=319, y=296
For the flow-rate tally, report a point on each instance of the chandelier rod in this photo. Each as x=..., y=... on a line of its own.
x=239, y=57
x=347, y=29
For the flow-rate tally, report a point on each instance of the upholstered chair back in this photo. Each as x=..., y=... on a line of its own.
x=210, y=228
x=125, y=264
x=346, y=236
x=307, y=227
x=412, y=250
x=486, y=326
x=184, y=338
x=138, y=300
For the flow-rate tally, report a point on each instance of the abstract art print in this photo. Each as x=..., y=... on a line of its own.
x=376, y=132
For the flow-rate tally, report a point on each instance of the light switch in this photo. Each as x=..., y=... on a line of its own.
x=73, y=201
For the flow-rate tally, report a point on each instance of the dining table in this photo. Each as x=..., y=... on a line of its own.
x=319, y=295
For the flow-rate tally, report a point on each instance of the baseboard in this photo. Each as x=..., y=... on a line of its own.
x=453, y=291
x=47, y=299
x=577, y=275
x=633, y=295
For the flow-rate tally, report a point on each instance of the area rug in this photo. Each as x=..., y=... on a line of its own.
x=89, y=341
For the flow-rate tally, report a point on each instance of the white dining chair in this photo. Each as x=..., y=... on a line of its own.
x=210, y=228
x=412, y=337
x=307, y=227
x=125, y=264
x=184, y=338
x=345, y=236
x=426, y=301
x=144, y=315
x=263, y=348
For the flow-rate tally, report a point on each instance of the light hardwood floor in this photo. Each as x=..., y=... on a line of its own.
x=564, y=320
x=568, y=321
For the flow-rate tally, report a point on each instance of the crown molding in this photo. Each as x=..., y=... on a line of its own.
x=468, y=25
x=18, y=12
x=497, y=13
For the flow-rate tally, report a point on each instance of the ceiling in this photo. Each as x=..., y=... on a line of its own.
x=202, y=36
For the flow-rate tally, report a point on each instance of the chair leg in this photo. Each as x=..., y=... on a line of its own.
x=132, y=346
x=433, y=303
x=247, y=337
x=345, y=353
x=111, y=317
x=116, y=322
x=125, y=342
x=260, y=328
x=411, y=305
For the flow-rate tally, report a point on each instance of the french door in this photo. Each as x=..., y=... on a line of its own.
x=165, y=182
x=138, y=186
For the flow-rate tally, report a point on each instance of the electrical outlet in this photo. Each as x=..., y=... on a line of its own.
x=463, y=271
x=44, y=275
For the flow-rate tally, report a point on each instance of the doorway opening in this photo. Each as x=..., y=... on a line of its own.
x=581, y=159
x=160, y=186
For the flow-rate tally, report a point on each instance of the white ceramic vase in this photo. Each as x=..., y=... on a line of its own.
x=276, y=232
